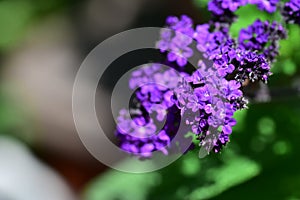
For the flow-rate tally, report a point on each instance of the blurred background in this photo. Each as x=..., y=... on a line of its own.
x=42, y=44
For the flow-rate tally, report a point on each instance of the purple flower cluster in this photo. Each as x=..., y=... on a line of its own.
x=140, y=140
x=209, y=43
x=177, y=45
x=220, y=7
x=251, y=66
x=227, y=58
x=262, y=37
x=266, y=5
x=212, y=100
x=153, y=87
x=207, y=97
x=291, y=12
x=211, y=94
x=223, y=10
x=243, y=64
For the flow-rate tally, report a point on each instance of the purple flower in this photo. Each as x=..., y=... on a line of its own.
x=267, y=5
x=208, y=97
x=215, y=7
x=223, y=10
x=154, y=87
x=212, y=97
x=262, y=37
x=231, y=89
x=291, y=12
x=128, y=126
x=183, y=25
x=165, y=40
x=219, y=47
x=218, y=7
x=252, y=66
x=233, y=5
x=176, y=43
x=209, y=43
x=140, y=140
x=179, y=50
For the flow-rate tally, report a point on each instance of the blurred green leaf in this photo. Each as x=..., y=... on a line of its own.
x=190, y=165
x=14, y=118
x=201, y=3
x=17, y=15
x=289, y=67
x=281, y=147
x=194, y=181
x=235, y=171
x=122, y=186
x=290, y=46
x=266, y=126
x=240, y=117
x=246, y=16
x=14, y=17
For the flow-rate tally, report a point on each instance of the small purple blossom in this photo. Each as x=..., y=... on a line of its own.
x=223, y=10
x=252, y=66
x=154, y=86
x=212, y=98
x=179, y=49
x=165, y=40
x=218, y=7
x=210, y=42
x=266, y=5
x=176, y=43
x=291, y=12
x=140, y=140
x=263, y=37
x=184, y=24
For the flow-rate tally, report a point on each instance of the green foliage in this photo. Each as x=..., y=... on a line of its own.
x=240, y=117
x=201, y=3
x=17, y=15
x=281, y=147
x=14, y=17
x=190, y=166
x=266, y=126
x=290, y=46
x=235, y=171
x=197, y=179
x=246, y=16
x=13, y=118
x=289, y=67
x=289, y=58
x=120, y=185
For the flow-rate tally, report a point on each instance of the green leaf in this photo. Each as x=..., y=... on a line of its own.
x=246, y=16
x=266, y=126
x=14, y=18
x=240, y=117
x=237, y=170
x=289, y=67
x=200, y=3
x=122, y=186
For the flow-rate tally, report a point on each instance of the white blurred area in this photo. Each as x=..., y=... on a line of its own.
x=23, y=177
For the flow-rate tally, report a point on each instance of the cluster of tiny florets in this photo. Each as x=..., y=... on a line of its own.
x=207, y=97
